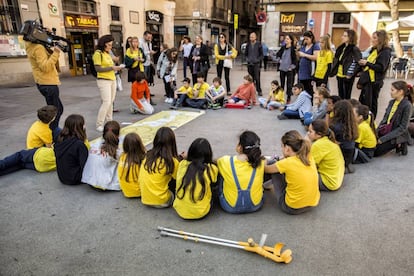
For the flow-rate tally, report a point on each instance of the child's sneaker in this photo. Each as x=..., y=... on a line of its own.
x=216, y=106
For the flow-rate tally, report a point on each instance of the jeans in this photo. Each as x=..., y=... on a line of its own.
x=345, y=87
x=242, y=205
x=288, y=78
x=279, y=183
x=169, y=91
x=291, y=114
x=369, y=96
x=51, y=94
x=20, y=160
x=254, y=71
x=196, y=103
x=186, y=63
x=107, y=88
x=220, y=68
x=307, y=118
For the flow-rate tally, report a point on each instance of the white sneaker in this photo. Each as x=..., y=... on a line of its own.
x=166, y=100
x=99, y=129
x=170, y=100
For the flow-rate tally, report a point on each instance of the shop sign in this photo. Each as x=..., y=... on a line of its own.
x=81, y=21
x=182, y=30
x=154, y=16
x=293, y=23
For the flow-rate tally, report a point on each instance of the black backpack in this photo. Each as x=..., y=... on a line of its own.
x=92, y=66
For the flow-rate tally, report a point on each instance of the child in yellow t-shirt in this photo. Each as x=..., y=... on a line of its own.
x=158, y=171
x=181, y=93
x=129, y=164
x=295, y=177
x=327, y=155
x=40, y=134
x=323, y=61
x=366, y=143
x=276, y=97
x=241, y=184
x=195, y=176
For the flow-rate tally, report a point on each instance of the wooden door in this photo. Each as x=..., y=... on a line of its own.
x=336, y=37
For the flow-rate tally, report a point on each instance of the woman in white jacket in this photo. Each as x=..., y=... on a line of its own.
x=167, y=67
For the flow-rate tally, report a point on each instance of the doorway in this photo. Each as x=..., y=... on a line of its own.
x=337, y=36
x=81, y=52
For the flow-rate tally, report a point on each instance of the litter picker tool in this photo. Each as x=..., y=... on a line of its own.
x=274, y=253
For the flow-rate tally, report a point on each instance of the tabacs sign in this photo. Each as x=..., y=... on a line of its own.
x=154, y=16
x=81, y=21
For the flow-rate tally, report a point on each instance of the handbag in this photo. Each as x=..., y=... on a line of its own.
x=128, y=62
x=384, y=129
x=227, y=63
x=364, y=79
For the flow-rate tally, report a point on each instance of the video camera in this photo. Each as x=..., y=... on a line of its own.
x=34, y=32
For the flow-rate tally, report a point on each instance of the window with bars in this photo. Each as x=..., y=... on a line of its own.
x=79, y=6
x=115, y=13
x=10, y=21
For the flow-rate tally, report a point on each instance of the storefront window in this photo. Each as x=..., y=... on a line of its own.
x=115, y=13
x=79, y=6
x=10, y=21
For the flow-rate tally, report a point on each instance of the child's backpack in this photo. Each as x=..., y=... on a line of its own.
x=92, y=66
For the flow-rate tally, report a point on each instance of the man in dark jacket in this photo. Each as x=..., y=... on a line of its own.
x=254, y=56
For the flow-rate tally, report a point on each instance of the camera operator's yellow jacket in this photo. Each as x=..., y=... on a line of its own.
x=45, y=64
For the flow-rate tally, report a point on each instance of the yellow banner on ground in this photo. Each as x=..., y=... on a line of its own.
x=147, y=127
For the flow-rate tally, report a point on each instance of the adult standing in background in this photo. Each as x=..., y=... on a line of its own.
x=254, y=56
x=265, y=55
x=146, y=45
x=168, y=72
x=376, y=64
x=287, y=64
x=185, y=47
x=308, y=53
x=345, y=61
x=199, y=59
x=137, y=54
x=223, y=50
x=128, y=43
x=105, y=68
x=45, y=68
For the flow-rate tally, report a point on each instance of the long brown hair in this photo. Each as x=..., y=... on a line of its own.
x=407, y=88
x=298, y=144
x=343, y=114
x=165, y=149
x=134, y=151
x=111, y=138
x=383, y=39
x=74, y=127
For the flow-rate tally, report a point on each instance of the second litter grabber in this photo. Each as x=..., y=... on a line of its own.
x=274, y=253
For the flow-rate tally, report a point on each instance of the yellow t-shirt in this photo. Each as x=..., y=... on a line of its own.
x=322, y=63
x=185, y=90
x=185, y=207
x=154, y=187
x=366, y=136
x=278, y=96
x=131, y=188
x=133, y=55
x=392, y=111
x=329, y=161
x=44, y=159
x=39, y=134
x=104, y=59
x=302, y=188
x=244, y=172
x=201, y=91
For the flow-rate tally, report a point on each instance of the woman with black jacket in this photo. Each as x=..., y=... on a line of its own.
x=393, y=128
x=376, y=64
x=199, y=59
x=287, y=65
x=345, y=63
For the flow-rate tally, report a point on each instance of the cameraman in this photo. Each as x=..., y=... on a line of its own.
x=45, y=67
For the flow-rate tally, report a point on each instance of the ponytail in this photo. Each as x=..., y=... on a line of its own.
x=406, y=87
x=111, y=138
x=298, y=144
x=321, y=128
x=250, y=143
